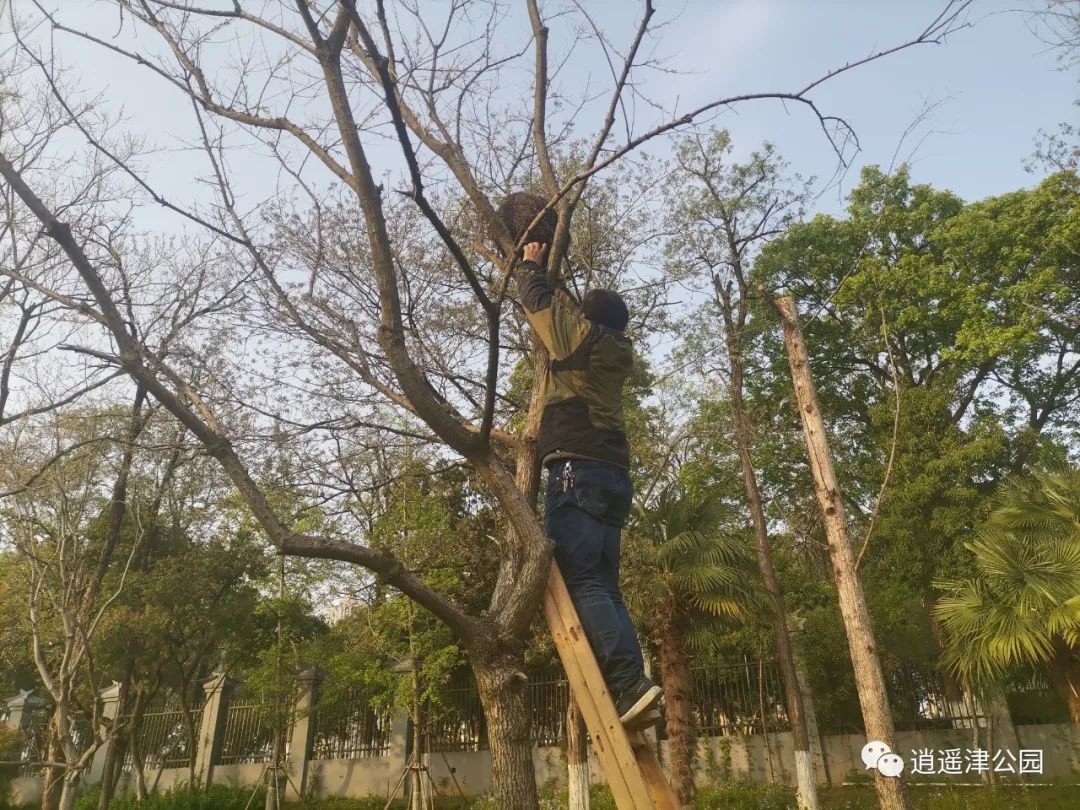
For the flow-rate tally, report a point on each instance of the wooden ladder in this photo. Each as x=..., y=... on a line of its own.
x=633, y=773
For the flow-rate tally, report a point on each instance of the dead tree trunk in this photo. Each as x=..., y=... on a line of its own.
x=869, y=681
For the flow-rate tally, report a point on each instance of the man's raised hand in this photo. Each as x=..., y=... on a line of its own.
x=535, y=252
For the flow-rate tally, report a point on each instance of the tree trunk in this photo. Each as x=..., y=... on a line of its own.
x=869, y=681
x=804, y=761
x=68, y=794
x=1065, y=673
x=577, y=757
x=50, y=793
x=678, y=699
x=504, y=694
x=416, y=783
x=136, y=749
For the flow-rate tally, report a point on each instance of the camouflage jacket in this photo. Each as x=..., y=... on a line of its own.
x=583, y=382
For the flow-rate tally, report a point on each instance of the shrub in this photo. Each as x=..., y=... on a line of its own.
x=600, y=798
x=366, y=803
x=745, y=795
x=11, y=743
x=216, y=797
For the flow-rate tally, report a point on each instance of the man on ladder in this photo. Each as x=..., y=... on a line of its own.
x=582, y=444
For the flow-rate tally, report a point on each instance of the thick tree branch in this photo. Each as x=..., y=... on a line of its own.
x=540, y=93
x=133, y=358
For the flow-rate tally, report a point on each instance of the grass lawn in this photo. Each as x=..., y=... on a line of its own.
x=1006, y=797
x=741, y=796
x=728, y=796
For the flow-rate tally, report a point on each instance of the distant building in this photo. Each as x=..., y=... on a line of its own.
x=340, y=608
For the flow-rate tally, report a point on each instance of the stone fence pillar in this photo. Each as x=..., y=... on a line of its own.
x=110, y=699
x=22, y=707
x=303, y=733
x=212, y=726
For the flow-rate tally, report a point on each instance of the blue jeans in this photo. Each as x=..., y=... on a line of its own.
x=585, y=520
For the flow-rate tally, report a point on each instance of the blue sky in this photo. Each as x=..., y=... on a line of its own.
x=995, y=85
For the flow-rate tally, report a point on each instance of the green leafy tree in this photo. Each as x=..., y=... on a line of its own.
x=944, y=339
x=436, y=520
x=1021, y=605
x=721, y=212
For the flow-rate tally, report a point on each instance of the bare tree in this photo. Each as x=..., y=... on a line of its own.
x=55, y=450
x=317, y=86
x=722, y=215
x=50, y=522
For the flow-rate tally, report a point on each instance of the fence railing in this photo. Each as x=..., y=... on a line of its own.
x=166, y=739
x=733, y=699
x=548, y=701
x=249, y=734
x=351, y=728
x=924, y=699
x=746, y=698
x=457, y=724
x=36, y=735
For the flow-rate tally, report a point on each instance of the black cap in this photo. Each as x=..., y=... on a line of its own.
x=607, y=308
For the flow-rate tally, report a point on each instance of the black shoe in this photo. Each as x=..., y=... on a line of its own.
x=637, y=699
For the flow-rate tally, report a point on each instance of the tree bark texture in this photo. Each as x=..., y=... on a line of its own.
x=678, y=700
x=577, y=757
x=504, y=695
x=804, y=762
x=50, y=794
x=869, y=681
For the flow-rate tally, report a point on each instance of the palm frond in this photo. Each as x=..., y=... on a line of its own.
x=1025, y=596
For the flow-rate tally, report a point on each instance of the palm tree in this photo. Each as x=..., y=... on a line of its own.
x=1022, y=605
x=691, y=575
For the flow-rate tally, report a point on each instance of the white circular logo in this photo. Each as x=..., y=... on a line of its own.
x=872, y=752
x=890, y=765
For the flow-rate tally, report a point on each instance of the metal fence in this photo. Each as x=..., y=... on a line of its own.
x=164, y=739
x=353, y=727
x=457, y=724
x=36, y=735
x=746, y=698
x=249, y=734
x=924, y=699
x=548, y=701
x=731, y=699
